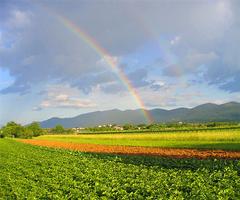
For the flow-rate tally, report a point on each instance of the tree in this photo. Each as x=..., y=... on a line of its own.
x=35, y=129
x=12, y=129
x=1, y=134
x=141, y=126
x=128, y=127
x=25, y=133
x=58, y=129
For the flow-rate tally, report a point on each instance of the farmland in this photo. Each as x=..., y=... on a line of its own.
x=43, y=173
x=217, y=139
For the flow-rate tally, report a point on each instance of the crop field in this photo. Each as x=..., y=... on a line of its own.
x=219, y=139
x=33, y=172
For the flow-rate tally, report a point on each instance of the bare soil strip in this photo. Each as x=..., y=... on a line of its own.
x=129, y=150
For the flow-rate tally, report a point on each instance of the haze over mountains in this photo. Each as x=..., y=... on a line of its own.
x=202, y=113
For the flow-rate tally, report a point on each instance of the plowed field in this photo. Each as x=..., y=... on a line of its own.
x=129, y=150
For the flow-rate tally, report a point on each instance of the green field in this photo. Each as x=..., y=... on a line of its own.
x=218, y=139
x=31, y=172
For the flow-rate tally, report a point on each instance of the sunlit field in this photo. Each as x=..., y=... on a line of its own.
x=222, y=139
x=31, y=172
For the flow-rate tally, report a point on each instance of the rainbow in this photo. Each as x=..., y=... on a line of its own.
x=90, y=41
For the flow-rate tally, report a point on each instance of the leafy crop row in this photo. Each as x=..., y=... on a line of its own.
x=42, y=173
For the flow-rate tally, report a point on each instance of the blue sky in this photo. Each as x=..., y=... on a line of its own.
x=174, y=53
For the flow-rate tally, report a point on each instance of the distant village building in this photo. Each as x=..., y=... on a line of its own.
x=105, y=125
x=119, y=128
x=78, y=129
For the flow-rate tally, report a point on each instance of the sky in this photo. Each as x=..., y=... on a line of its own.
x=61, y=58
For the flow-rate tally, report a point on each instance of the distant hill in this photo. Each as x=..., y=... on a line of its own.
x=202, y=113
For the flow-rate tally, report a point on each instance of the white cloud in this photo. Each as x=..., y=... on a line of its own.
x=18, y=19
x=190, y=63
x=184, y=94
x=175, y=40
x=159, y=82
x=67, y=102
x=111, y=62
x=60, y=96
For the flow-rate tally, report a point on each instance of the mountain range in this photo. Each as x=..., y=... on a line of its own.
x=203, y=113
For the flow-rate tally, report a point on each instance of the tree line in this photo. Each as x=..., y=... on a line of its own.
x=15, y=130
x=163, y=126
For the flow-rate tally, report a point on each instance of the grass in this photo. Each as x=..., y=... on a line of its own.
x=31, y=172
x=219, y=139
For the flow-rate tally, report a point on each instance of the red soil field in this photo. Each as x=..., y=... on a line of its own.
x=129, y=150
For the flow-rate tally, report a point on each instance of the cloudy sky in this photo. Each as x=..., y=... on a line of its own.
x=66, y=57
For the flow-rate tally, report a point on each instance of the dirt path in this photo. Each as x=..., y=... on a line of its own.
x=129, y=150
